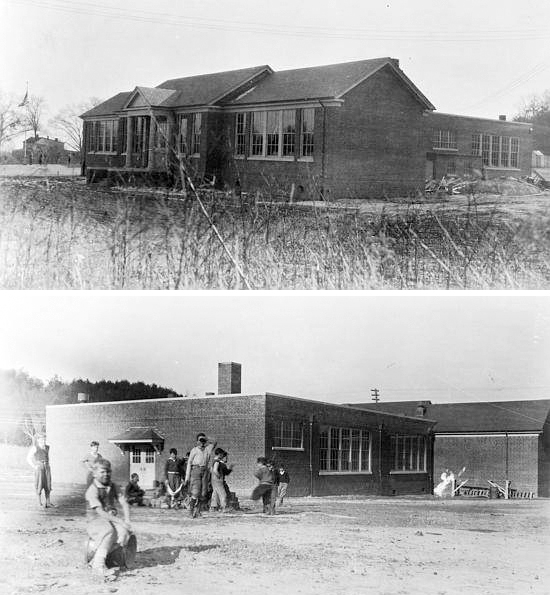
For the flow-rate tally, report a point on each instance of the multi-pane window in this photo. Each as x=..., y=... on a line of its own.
x=273, y=133
x=451, y=167
x=196, y=137
x=289, y=434
x=140, y=134
x=257, y=132
x=149, y=454
x=240, y=133
x=161, y=133
x=182, y=135
x=444, y=139
x=408, y=453
x=344, y=450
x=103, y=136
x=136, y=455
x=496, y=151
x=122, y=132
x=308, y=120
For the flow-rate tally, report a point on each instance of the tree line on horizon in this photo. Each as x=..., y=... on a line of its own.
x=24, y=399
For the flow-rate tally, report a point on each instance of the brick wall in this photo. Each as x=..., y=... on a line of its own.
x=465, y=127
x=374, y=142
x=313, y=415
x=236, y=422
x=544, y=461
x=485, y=458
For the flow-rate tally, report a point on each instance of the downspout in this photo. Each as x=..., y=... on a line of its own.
x=380, y=458
x=311, y=455
x=323, y=150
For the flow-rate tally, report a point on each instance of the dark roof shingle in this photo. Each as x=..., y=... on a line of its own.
x=501, y=416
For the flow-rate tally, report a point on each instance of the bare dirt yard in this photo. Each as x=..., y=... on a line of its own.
x=313, y=546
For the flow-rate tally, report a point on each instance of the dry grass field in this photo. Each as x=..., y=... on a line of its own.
x=312, y=546
x=61, y=234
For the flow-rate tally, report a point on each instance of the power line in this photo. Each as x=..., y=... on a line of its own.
x=480, y=35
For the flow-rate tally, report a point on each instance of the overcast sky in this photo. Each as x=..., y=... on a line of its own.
x=329, y=347
x=466, y=56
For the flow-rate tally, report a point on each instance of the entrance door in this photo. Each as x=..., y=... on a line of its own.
x=142, y=462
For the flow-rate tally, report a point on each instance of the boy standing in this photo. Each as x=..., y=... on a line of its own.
x=39, y=459
x=284, y=480
x=267, y=482
x=90, y=460
x=197, y=475
x=172, y=471
x=220, y=469
x=104, y=528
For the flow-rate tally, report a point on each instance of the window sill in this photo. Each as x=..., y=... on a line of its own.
x=306, y=159
x=345, y=472
x=449, y=149
x=103, y=153
x=269, y=158
x=408, y=472
x=502, y=168
x=287, y=448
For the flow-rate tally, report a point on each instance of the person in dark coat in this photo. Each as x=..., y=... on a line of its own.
x=39, y=459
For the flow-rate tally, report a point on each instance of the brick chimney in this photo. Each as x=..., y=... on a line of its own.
x=229, y=378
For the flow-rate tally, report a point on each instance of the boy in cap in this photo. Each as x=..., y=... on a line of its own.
x=197, y=475
x=133, y=493
x=174, y=482
x=264, y=489
x=220, y=469
x=104, y=527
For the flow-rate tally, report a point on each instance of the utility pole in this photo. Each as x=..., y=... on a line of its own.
x=375, y=395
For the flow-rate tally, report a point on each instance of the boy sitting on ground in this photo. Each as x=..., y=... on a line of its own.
x=105, y=529
x=133, y=493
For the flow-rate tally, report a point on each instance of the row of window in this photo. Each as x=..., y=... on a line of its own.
x=494, y=150
x=276, y=134
x=109, y=136
x=348, y=450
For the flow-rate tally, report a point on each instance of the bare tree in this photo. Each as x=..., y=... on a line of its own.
x=34, y=108
x=68, y=122
x=535, y=109
x=11, y=119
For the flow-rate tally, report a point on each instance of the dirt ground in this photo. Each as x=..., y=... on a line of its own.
x=339, y=545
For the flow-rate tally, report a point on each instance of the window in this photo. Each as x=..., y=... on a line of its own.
x=273, y=133
x=288, y=125
x=136, y=455
x=140, y=134
x=408, y=453
x=344, y=450
x=149, y=454
x=182, y=135
x=122, y=132
x=496, y=151
x=196, y=138
x=161, y=133
x=290, y=434
x=240, y=134
x=257, y=132
x=308, y=117
x=444, y=139
x=103, y=136
x=451, y=167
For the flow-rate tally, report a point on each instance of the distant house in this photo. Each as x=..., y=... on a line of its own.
x=327, y=448
x=42, y=150
x=493, y=440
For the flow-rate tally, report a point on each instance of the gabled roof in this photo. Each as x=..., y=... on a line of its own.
x=156, y=97
x=144, y=435
x=109, y=106
x=501, y=416
x=322, y=82
x=208, y=89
